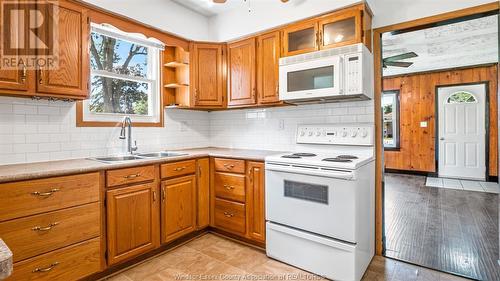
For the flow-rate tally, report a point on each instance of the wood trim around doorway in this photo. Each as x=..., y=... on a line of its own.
x=377, y=52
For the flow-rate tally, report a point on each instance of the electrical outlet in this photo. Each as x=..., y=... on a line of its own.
x=281, y=125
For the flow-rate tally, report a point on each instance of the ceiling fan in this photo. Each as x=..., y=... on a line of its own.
x=224, y=1
x=395, y=60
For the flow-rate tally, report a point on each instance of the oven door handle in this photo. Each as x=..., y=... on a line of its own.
x=325, y=172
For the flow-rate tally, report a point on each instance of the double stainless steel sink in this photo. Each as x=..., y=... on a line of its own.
x=139, y=156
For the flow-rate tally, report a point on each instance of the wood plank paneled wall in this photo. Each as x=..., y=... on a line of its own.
x=417, y=103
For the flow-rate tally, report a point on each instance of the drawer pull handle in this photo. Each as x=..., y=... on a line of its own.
x=228, y=187
x=129, y=177
x=46, y=194
x=179, y=169
x=229, y=215
x=229, y=166
x=46, y=269
x=46, y=228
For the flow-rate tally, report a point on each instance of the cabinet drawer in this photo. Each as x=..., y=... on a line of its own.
x=35, y=235
x=230, y=216
x=70, y=263
x=176, y=169
x=230, y=186
x=230, y=165
x=19, y=199
x=130, y=175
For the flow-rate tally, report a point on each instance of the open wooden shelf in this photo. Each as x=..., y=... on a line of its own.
x=175, y=85
x=175, y=64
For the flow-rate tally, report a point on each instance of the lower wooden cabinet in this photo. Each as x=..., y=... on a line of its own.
x=237, y=198
x=256, y=220
x=203, y=201
x=133, y=223
x=178, y=207
x=70, y=263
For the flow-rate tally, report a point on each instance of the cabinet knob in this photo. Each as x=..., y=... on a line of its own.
x=45, y=194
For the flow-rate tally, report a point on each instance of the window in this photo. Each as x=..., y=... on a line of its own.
x=462, y=97
x=124, y=80
x=390, y=113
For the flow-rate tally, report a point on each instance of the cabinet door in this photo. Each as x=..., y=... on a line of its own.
x=132, y=221
x=203, y=183
x=255, y=201
x=241, y=64
x=341, y=29
x=15, y=79
x=71, y=76
x=300, y=38
x=268, y=54
x=208, y=76
x=178, y=208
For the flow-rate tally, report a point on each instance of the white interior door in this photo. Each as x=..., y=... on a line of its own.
x=462, y=131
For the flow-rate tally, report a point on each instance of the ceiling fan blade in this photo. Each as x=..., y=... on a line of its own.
x=402, y=56
x=397, y=64
x=219, y=1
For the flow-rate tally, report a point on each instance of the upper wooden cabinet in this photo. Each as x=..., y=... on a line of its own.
x=241, y=73
x=268, y=54
x=207, y=67
x=345, y=27
x=70, y=76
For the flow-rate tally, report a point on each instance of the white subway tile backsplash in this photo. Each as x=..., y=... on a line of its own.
x=39, y=130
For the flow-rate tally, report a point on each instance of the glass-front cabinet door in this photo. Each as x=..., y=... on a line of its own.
x=340, y=30
x=300, y=38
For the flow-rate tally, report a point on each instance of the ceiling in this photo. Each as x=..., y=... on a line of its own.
x=208, y=8
x=460, y=44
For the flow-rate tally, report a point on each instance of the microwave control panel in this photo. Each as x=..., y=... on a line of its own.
x=339, y=134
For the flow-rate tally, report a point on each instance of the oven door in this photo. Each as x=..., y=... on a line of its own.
x=318, y=204
x=311, y=79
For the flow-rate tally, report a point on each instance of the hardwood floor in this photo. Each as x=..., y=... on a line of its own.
x=212, y=257
x=450, y=230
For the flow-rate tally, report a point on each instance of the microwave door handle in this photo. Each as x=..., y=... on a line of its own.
x=315, y=172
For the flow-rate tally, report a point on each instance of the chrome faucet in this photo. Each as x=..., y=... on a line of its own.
x=127, y=122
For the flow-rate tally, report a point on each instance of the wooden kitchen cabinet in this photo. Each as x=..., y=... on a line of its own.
x=340, y=29
x=178, y=207
x=203, y=183
x=300, y=38
x=268, y=54
x=71, y=76
x=345, y=27
x=208, y=75
x=132, y=221
x=256, y=220
x=241, y=73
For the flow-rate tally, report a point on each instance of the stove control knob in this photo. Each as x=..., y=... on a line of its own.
x=364, y=133
x=344, y=134
x=318, y=133
x=354, y=134
x=302, y=133
x=310, y=134
x=324, y=133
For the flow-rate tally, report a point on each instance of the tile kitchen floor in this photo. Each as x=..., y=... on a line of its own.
x=211, y=257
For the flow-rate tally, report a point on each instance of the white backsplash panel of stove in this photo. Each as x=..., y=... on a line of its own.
x=275, y=128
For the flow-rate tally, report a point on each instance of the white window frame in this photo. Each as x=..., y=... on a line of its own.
x=395, y=119
x=153, y=77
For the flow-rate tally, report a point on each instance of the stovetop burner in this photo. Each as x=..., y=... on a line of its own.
x=349, y=157
x=338, y=160
x=304, y=154
x=291, y=156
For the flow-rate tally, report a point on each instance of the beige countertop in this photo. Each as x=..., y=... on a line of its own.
x=17, y=172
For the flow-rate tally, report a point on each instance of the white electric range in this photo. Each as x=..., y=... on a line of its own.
x=320, y=201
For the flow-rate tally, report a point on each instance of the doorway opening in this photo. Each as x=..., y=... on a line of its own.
x=439, y=129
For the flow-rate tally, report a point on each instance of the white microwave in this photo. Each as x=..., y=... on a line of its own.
x=333, y=75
